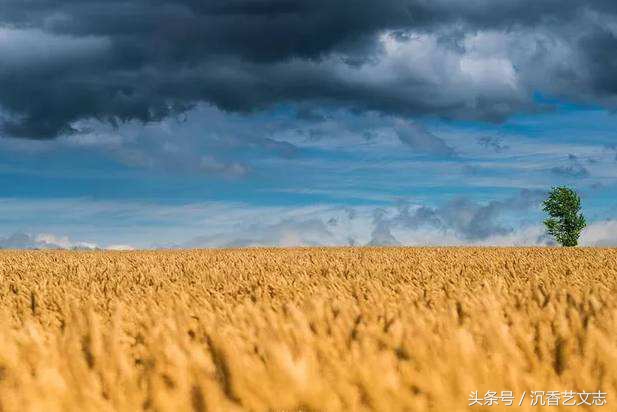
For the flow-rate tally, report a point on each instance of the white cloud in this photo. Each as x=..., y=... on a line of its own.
x=42, y=241
x=602, y=233
x=20, y=240
x=62, y=241
x=120, y=247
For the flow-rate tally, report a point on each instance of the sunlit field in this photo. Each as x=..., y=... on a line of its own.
x=383, y=329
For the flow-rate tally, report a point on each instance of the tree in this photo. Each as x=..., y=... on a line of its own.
x=565, y=221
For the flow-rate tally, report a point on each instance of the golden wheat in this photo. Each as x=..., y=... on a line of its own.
x=304, y=329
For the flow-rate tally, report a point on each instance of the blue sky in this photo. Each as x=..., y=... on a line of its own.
x=214, y=179
x=296, y=122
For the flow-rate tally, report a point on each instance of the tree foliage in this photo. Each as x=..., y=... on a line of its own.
x=565, y=221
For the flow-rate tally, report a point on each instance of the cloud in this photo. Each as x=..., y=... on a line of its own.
x=287, y=232
x=460, y=217
x=382, y=234
x=506, y=221
x=210, y=164
x=421, y=140
x=204, y=142
x=494, y=143
x=611, y=148
x=458, y=222
x=572, y=169
x=118, y=61
x=120, y=247
x=42, y=241
x=600, y=233
x=20, y=240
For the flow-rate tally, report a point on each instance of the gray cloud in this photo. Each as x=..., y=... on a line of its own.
x=206, y=142
x=381, y=234
x=494, y=143
x=573, y=168
x=468, y=220
x=421, y=140
x=64, y=61
x=612, y=148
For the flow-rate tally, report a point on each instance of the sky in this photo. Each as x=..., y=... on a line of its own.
x=231, y=123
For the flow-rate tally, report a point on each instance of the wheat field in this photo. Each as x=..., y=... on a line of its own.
x=343, y=329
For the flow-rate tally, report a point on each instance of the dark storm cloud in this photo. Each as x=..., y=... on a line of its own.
x=62, y=61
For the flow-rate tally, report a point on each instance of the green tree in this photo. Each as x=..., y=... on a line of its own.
x=565, y=221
